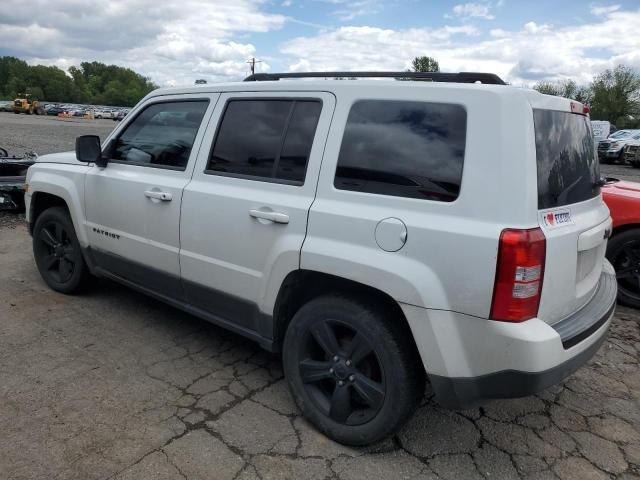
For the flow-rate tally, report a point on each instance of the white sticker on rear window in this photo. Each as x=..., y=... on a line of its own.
x=556, y=218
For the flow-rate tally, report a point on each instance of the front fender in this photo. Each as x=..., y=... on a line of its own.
x=65, y=182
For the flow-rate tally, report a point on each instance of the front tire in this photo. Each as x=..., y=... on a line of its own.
x=352, y=369
x=623, y=251
x=58, y=253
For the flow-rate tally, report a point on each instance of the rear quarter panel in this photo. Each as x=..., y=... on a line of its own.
x=449, y=259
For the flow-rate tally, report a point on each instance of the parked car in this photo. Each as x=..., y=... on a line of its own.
x=6, y=106
x=120, y=115
x=355, y=227
x=611, y=149
x=623, y=250
x=632, y=153
x=53, y=109
x=104, y=114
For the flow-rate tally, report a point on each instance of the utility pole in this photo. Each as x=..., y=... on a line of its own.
x=252, y=63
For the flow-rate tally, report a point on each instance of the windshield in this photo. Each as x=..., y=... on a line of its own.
x=568, y=170
x=621, y=134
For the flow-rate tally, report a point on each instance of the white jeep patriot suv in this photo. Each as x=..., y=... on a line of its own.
x=373, y=231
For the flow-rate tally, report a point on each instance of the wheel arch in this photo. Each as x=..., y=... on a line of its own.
x=53, y=195
x=301, y=286
x=624, y=228
x=40, y=201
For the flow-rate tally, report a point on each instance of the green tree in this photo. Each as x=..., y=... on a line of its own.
x=35, y=92
x=547, y=88
x=616, y=97
x=567, y=89
x=91, y=82
x=425, y=64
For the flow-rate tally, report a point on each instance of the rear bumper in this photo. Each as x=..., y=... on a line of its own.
x=463, y=393
x=471, y=360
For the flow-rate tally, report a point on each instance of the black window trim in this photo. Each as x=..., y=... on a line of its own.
x=403, y=198
x=107, y=148
x=258, y=178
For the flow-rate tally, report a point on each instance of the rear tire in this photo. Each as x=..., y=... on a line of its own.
x=352, y=369
x=623, y=251
x=58, y=253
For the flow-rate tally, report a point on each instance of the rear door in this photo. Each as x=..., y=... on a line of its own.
x=244, y=214
x=575, y=220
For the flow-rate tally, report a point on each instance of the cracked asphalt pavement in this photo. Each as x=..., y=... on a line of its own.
x=111, y=384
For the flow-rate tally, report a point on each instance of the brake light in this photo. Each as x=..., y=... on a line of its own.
x=519, y=274
x=579, y=108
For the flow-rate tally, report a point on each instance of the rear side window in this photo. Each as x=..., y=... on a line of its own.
x=265, y=139
x=568, y=170
x=161, y=135
x=405, y=149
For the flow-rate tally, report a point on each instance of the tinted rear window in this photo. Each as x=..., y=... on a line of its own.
x=265, y=139
x=402, y=148
x=568, y=170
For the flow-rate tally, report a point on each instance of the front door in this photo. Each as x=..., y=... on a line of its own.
x=133, y=205
x=244, y=214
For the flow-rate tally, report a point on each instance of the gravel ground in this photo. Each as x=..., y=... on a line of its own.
x=114, y=385
x=44, y=134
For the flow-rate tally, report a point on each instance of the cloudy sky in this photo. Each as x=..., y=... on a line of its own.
x=176, y=41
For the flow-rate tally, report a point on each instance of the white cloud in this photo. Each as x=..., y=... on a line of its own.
x=533, y=27
x=171, y=42
x=473, y=10
x=532, y=53
x=349, y=9
x=599, y=10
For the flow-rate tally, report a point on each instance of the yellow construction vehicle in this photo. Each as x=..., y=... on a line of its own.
x=25, y=104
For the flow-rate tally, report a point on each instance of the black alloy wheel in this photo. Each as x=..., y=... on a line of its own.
x=57, y=251
x=352, y=367
x=623, y=252
x=342, y=373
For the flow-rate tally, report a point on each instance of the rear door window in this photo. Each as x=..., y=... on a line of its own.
x=403, y=148
x=568, y=170
x=265, y=139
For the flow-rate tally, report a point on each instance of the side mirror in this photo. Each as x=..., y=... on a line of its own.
x=88, y=150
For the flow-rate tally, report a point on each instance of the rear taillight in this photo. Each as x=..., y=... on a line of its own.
x=519, y=274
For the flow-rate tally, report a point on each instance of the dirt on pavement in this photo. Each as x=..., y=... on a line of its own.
x=111, y=384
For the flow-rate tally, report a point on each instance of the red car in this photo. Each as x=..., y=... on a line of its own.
x=623, y=249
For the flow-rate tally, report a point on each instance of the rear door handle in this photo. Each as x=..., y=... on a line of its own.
x=164, y=196
x=275, y=217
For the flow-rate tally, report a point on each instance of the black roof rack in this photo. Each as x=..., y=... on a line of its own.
x=462, y=77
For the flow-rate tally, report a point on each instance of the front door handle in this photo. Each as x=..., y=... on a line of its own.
x=275, y=217
x=164, y=196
